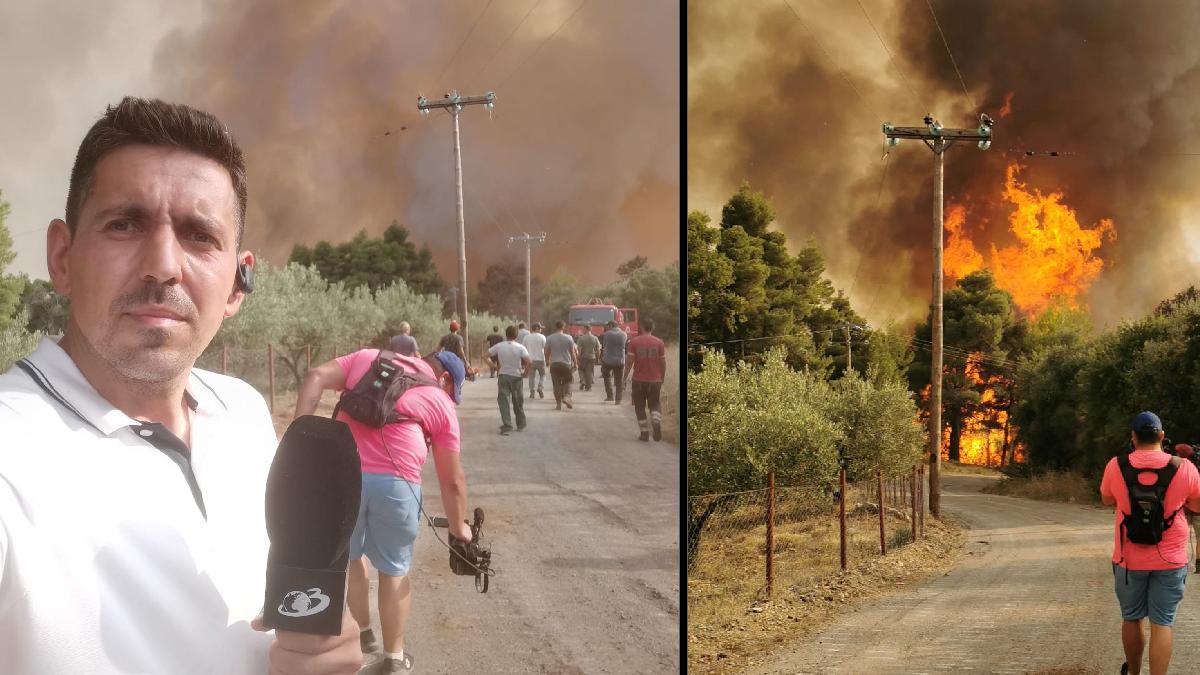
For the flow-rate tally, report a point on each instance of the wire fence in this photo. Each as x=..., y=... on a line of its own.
x=744, y=545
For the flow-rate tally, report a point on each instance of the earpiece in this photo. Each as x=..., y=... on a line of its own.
x=245, y=278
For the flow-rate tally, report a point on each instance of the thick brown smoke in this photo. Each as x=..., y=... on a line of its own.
x=1116, y=83
x=583, y=143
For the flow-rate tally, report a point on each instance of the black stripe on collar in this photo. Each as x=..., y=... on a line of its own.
x=39, y=378
x=209, y=387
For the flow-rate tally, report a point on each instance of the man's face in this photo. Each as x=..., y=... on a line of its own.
x=150, y=268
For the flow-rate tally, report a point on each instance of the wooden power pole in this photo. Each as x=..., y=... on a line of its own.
x=938, y=138
x=454, y=104
x=529, y=240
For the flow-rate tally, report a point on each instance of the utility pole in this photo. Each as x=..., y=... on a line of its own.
x=530, y=240
x=938, y=138
x=454, y=104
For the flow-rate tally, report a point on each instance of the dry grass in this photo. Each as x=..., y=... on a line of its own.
x=1052, y=486
x=731, y=623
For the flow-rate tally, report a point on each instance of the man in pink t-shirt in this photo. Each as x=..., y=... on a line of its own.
x=388, y=516
x=1150, y=578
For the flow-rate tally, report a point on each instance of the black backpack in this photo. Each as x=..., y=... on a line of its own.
x=372, y=400
x=1147, y=521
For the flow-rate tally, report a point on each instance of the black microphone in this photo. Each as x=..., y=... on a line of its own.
x=313, y=490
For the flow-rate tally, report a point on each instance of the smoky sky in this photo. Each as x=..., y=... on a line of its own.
x=1113, y=86
x=583, y=142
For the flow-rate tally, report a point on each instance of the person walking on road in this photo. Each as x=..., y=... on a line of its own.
x=492, y=340
x=512, y=360
x=1187, y=452
x=388, y=510
x=589, y=349
x=404, y=344
x=647, y=365
x=521, y=332
x=1149, y=557
x=563, y=357
x=612, y=360
x=452, y=342
x=535, y=343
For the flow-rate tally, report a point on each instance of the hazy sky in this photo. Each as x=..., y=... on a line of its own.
x=583, y=142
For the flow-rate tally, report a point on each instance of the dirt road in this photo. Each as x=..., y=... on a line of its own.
x=1033, y=595
x=583, y=520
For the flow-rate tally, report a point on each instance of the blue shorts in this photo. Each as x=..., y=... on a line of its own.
x=1153, y=593
x=388, y=520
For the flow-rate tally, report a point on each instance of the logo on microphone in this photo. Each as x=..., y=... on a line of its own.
x=301, y=603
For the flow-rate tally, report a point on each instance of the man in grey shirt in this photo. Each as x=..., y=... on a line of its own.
x=612, y=360
x=562, y=356
x=535, y=343
x=404, y=344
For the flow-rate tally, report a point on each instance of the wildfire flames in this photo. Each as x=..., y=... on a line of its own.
x=1054, y=257
x=985, y=434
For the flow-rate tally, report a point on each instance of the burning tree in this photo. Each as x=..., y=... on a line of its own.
x=983, y=333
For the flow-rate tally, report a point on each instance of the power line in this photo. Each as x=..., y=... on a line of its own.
x=542, y=44
x=951, y=55
x=510, y=34
x=891, y=56
x=464, y=40
x=839, y=69
x=874, y=240
x=1075, y=153
x=764, y=337
x=479, y=201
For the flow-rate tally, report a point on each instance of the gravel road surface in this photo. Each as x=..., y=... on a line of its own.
x=583, y=520
x=1033, y=595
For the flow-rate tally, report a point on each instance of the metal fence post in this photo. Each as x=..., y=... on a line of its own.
x=271, y=374
x=842, y=513
x=882, y=539
x=225, y=359
x=770, y=531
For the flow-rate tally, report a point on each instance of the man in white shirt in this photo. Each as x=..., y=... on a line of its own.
x=512, y=359
x=535, y=344
x=132, y=535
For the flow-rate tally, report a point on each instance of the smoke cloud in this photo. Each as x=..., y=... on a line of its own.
x=794, y=105
x=583, y=142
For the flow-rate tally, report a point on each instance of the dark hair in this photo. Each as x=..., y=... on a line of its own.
x=510, y=332
x=495, y=329
x=558, y=325
x=1146, y=435
x=141, y=121
x=648, y=325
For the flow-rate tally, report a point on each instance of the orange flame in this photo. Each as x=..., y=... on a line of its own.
x=1006, y=109
x=982, y=437
x=1054, y=256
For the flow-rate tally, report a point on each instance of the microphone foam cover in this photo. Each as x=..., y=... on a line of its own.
x=312, y=497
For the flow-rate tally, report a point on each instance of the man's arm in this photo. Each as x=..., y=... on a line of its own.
x=453, y=484
x=328, y=375
x=526, y=364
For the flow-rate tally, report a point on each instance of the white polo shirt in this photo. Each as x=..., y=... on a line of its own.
x=108, y=564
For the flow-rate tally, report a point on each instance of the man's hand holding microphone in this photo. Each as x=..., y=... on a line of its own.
x=313, y=490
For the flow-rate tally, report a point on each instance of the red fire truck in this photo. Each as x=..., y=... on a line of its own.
x=595, y=313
